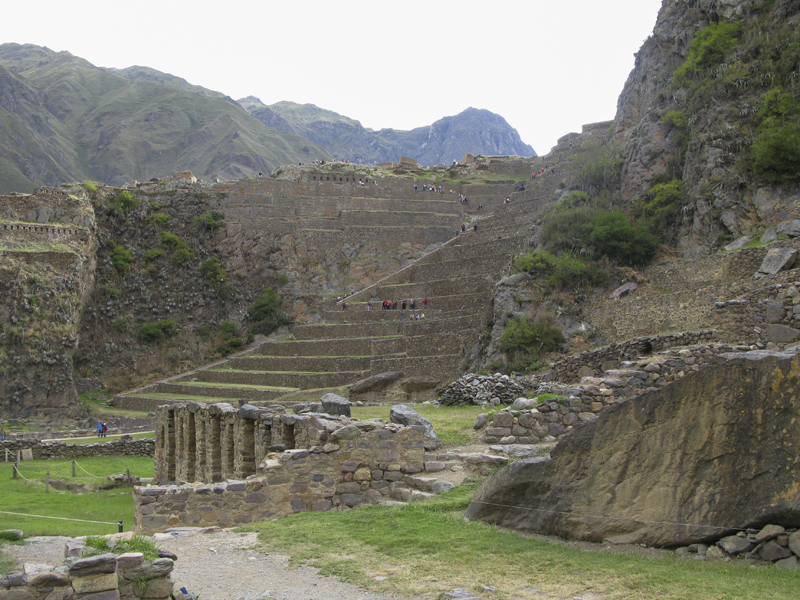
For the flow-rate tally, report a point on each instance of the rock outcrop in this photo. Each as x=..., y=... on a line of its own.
x=689, y=463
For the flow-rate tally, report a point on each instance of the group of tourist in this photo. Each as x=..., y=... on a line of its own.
x=430, y=188
x=102, y=429
x=402, y=304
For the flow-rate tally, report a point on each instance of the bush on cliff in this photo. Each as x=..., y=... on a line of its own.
x=121, y=259
x=563, y=271
x=266, y=314
x=534, y=338
x=124, y=203
x=150, y=333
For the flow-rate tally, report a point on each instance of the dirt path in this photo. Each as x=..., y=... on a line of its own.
x=222, y=566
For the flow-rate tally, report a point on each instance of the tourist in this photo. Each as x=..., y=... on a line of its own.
x=103, y=430
x=425, y=303
x=475, y=227
x=344, y=306
x=411, y=305
x=369, y=305
x=99, y=429
x=463, y=227
x=403, y=307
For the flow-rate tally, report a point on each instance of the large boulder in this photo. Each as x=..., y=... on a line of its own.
x=376, y=383
x=333, y=404
x=404, y=415
x=713, y=450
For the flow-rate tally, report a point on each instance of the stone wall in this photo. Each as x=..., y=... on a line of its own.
x=595, y=362
x=575, y=404
x=104, y=577
x=264, y=464
x=45, y=449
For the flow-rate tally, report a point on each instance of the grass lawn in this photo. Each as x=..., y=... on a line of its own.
x=453, y=424
x=95, y=403
x=20, y=496
x=429, y=549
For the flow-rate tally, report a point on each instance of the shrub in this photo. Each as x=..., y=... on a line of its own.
x=203, y=331
x=660, y=209
x=708, y=49
x=120, y=324
x=613, y=235
x=227, y=329
x=534, y=338
x=89, y=186
x=208, y=221
x=171, y=241
x=155, y=332
x=565, y=270
x=181, y=256
x=266, y=314
x=283, y=279
x=124, y=203
x=213, y=272
x=154, y=254
x=231, y=345
x=776, y=153
x=159, y=219
x=121, y=259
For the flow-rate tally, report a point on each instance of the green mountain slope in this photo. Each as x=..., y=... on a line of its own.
x=115, y=128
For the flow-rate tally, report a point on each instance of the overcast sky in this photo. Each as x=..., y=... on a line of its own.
x=547, y=66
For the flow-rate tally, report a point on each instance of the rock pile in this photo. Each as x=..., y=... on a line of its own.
x=126, y=577
x=482, y=389
x=772, y=544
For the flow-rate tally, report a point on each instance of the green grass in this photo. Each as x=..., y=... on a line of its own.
x=453, y=424
x=237, y=385
x=95, y=403
x=110, y=506
x=428, y=548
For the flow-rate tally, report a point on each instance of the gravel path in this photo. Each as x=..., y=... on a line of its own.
x=220, y=566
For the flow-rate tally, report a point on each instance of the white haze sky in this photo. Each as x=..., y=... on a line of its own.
x=547, y=66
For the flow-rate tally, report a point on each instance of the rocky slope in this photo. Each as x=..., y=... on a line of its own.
x=702, y=105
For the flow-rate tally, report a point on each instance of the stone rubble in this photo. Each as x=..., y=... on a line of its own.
x=772, y=544
x=481, y=389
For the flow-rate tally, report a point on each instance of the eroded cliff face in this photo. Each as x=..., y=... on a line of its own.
x=706, y=144
x=47, y=260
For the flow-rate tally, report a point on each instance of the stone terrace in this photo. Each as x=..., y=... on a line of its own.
x=348, y=345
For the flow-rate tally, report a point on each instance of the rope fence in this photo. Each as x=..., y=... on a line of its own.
x=119, y=523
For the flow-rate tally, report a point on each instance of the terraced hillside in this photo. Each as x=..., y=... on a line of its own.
x=356, y=338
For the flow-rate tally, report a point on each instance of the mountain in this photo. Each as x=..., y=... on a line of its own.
x=712, y=108
x=473, y=130
x=63, y=119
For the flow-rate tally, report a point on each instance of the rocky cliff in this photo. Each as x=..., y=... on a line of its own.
x=710, y=453
x=704, y=104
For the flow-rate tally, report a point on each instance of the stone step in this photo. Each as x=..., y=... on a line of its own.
x=276, y=378
x=256, y=391
x=472, y=251
x=407, y=327
x=369, y=346
x=348, y=330
x=299, y=363
x=427, y=289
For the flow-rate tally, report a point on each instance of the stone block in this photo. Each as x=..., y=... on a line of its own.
x=158, y=588
x=503, y=419
x=48, y=579
x=352, y=499
x=322, y=505
x=103, y=564
x=91, y=584
x=777, y=260
x=782, y=334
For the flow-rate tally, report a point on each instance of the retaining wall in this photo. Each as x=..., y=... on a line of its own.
x=43, y=450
